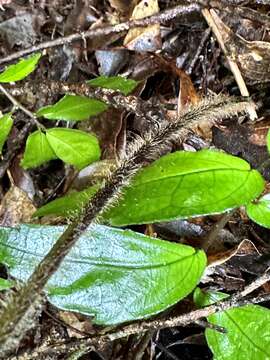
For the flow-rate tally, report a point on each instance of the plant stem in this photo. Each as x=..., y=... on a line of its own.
x=18, y=105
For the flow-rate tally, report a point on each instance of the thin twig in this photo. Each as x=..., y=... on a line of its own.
x=159, y=18
x=233, y=66
x=216, y=228
x=138, y=328
x=141, y=108
x=18, y=105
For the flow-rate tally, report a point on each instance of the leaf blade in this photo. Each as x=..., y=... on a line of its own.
x=20, y=70
x=6, y=124
x=74, y=147
x=186, y=184
x=248, y=330
x=118, y=83
x=259, y=211
x=37, y=151
x=73, y=108
x=135, y=277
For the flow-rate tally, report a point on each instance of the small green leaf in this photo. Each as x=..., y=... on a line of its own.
x=186, y=184
x=248, y=331
x=6, y=123
x=116, y=275
x=73, y=108
x=67, y=205
x=20, y=70
x=259, y=211
x=74, y=147
x=268, y=141
x=37, y=151
x=5, y=284
x=117, y=83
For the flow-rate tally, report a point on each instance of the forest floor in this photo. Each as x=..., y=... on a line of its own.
x=178, y=60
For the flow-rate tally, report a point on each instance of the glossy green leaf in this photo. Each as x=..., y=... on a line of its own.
x=67, y=205
x=259, y=211
x=73, y=108
x=268, y=141
x=177, y=187
x=6, y=123
x=117, y=83
x=5, y=284
x=185, y=184
x=116, y=275
x=20, y=70
x=74, y=147
x=37, y=151
x=248, y=331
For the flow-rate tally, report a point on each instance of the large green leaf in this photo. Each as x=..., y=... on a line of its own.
x=6, y=123
x=73, y=108
x=185, y=184
x=116, y=275
x=74, y=147
x=20, y=70
x=117, y=83
x=259, y=211
x=67, y=205
x=37, y=151
x=179, y=185
x=248, y=330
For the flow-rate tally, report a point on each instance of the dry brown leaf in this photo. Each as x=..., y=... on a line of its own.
x=144, y=39
x=124, y=6
x=252, y=57
x=16, y=208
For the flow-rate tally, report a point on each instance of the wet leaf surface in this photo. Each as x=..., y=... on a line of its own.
x=135, y=277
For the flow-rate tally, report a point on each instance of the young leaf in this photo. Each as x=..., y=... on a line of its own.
x=248, y=331
x=5, y=284
x=73, y=108
x=117, y=83
x=20, y=70
x=259, y=211
x=37, y=151
x=268, y=141
x=67, y=205
x=6, y=123
x=74, y=147
x=186, y=184
x=116, y=275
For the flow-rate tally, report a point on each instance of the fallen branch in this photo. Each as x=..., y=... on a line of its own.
x=159, y=18
x=86, y=344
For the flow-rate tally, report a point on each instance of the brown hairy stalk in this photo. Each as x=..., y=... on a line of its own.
x=14, y=317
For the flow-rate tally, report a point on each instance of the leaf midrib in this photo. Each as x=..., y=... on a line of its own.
x=106, y=264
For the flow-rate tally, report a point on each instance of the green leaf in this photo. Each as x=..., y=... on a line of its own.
x=187, y=184
x=67, y=205
x=268, y=141
x=73, y=108
x=248, y=331
x=259, y=211
x=37, y=151
x=74, y=147
x=5, y=284
x=6, y=123
x=117, y=83
x=116, y=275
x=20, y=70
